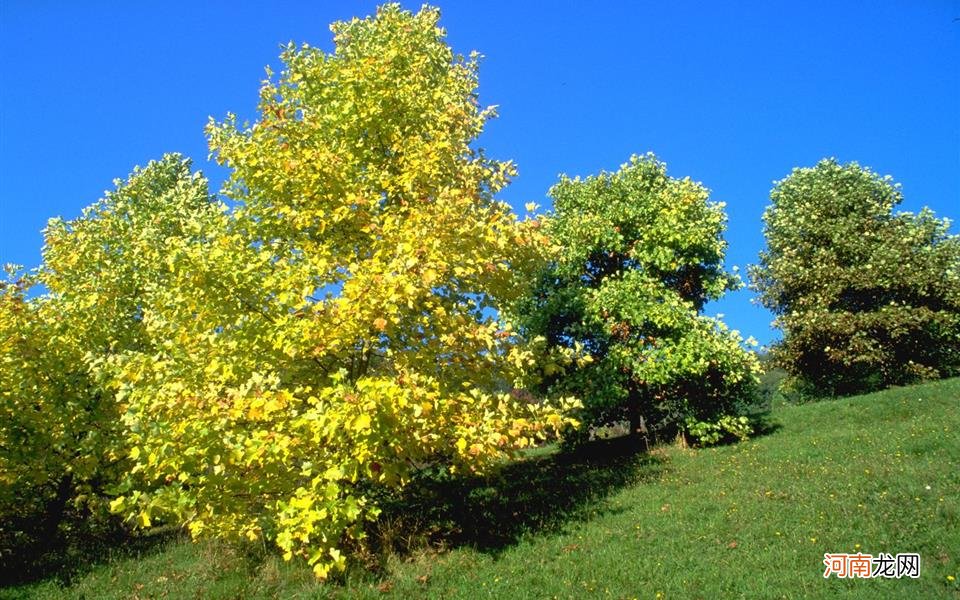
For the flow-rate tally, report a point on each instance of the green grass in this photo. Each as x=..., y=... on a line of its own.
x=874, y=473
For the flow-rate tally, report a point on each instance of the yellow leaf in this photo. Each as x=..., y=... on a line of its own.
x=362, y=422
x=320, y=570
x=273, y=405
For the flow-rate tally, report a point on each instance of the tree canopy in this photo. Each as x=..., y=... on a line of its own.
x=637, y=254
x=866, y=297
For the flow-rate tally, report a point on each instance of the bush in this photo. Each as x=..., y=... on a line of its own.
x=727, y=427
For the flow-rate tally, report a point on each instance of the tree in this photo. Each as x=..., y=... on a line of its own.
x=866, y=297
x=637, y=255
x=61, y=437
x=336, y=331
x=50, y=423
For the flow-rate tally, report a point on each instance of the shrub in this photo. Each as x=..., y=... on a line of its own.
x=707, y=433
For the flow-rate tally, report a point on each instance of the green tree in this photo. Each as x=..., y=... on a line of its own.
x=637, y=254
x=866, y=297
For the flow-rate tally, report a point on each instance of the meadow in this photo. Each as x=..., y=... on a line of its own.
x=872, y=473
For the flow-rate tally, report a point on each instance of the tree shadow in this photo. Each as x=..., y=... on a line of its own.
x=766, y=427
x=80, y=546
x=543, y=492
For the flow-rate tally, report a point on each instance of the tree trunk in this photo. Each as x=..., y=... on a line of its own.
x=56, y=509
x=638, y=427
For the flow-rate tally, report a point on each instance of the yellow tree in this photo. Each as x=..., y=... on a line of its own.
x=60, y=430
x=51, y=423
x=338, y=329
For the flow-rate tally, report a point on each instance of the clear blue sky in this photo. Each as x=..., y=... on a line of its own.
x=733, y=94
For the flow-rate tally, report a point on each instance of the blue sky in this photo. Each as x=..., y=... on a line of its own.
x=733, y=94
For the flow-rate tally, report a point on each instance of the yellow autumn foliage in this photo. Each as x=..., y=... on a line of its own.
x=339, y=326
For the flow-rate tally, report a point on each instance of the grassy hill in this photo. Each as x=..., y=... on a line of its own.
x=873, y=473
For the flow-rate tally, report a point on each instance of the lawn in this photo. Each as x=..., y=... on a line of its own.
x=873, y=473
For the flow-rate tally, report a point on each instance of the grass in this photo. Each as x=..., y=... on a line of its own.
x=874, y=473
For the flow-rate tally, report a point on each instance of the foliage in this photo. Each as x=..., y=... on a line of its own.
x=62, y=447
x=707, y=433
x=866, y=297
x=56, y=425
x=333, y=333
x=49, y=422
x=636, y=256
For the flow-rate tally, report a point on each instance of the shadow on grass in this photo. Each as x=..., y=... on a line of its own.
x=80, y=548
x=541, y=493
x=767, y=426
